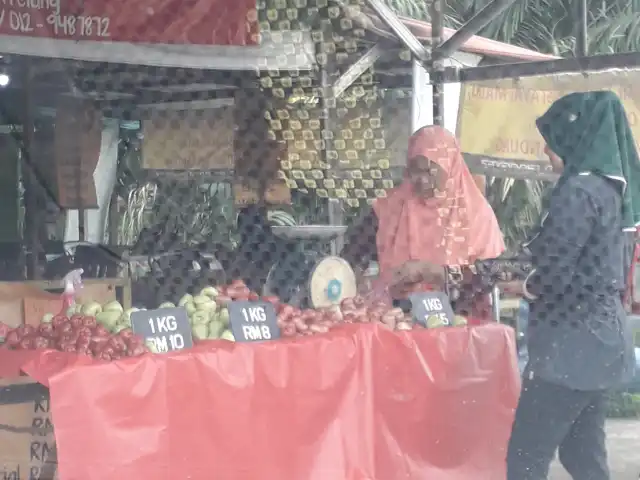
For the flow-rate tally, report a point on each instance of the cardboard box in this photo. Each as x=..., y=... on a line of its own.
x=11, y=311
x=27, y=445
x=34, y=308
x=20, y=302
x=24, y=303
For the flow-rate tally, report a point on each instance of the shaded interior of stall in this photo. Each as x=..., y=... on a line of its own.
x=143, y=175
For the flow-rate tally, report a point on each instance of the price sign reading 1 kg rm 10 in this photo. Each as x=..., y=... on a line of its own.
x=431, y=309
x=253, y=321
x=163, y=330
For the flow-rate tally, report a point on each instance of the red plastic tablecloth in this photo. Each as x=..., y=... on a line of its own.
x=359, y=403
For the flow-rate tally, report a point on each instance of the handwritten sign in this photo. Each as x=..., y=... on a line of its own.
x=27, y=446
x=50, y=18
x=34, y=308
x=253, y=321
x=41, y=446
x=164, y=330
x=431, y=309
x=193, y=140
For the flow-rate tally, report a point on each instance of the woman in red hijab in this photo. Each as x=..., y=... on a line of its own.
x=438, y=214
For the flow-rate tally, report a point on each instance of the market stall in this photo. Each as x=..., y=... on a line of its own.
x=365, y=390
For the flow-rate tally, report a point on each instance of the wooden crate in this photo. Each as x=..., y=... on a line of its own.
x=100, y=290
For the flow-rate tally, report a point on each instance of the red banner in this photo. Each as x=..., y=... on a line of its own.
x=198, y=22
x=360, y=403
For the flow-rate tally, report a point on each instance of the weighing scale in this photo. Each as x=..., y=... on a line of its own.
x=308, y=278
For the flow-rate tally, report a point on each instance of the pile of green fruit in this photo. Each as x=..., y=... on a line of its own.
x=208, y=319
x=111, y=315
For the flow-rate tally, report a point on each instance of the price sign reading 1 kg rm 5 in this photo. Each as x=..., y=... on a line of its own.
x=163, y=330
x=431, y=309
x=253, y=321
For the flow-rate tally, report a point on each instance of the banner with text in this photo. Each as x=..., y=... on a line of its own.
x=198, y=22
x=496, y=123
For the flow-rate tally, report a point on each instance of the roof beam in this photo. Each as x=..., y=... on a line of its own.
x=547, y=67
x=360, y=66
x=191, y=105
x=476, y=23
x=392, y=21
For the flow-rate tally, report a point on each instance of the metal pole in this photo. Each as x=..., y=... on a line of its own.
x=437, y=64
x=327, y=73
x=495, y=303
x=354, y=72
x=582, y=36
x=474, y=25
x=32, y=207
x=415, y=105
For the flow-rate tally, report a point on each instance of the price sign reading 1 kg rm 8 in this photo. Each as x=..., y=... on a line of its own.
x=253, y=321
x=163, y=330
x=431, y=309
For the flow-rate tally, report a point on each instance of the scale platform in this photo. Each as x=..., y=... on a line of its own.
x=308, y=279
x=309, y=232
x=331, y=281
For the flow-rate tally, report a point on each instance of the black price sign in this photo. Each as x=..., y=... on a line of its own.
x=431, y=309
x=164, y=330
x=253, y=321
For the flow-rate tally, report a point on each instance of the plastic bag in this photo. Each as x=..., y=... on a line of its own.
x=379, y=293
x=72, y=285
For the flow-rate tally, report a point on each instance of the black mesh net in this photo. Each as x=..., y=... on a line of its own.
x=278, y=162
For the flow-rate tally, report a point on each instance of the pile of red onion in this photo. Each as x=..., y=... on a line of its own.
x=78, y=334
x=294, y=321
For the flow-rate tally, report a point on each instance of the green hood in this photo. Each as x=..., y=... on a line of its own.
x=591, y=133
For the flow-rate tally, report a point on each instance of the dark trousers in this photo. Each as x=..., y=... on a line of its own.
x=550, y=417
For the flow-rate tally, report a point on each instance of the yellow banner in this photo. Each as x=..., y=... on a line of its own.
x=496, y=124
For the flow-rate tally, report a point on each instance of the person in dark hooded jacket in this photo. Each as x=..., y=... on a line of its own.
x=580, y=344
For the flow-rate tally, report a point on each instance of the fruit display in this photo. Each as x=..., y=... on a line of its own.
x=111, y=315
x=78, y=333
x=293, y=321
x=208, y=316
x=104, y=331
x=281, y=218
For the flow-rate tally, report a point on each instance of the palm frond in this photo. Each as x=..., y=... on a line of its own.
x=615, y=32
x=518, y=206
